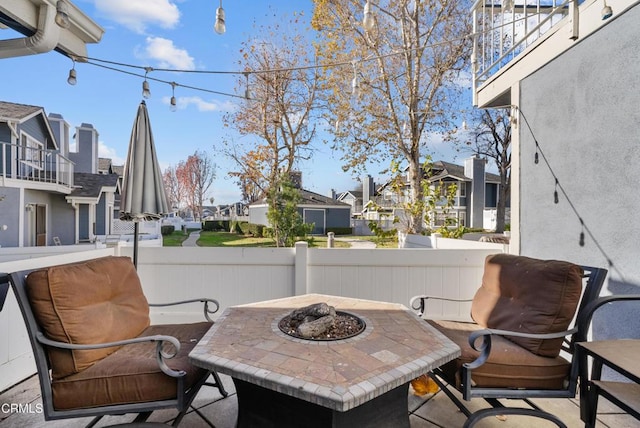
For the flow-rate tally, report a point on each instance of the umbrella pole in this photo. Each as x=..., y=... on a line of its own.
x=136, y=231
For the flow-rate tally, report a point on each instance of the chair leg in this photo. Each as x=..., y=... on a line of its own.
x=218, y=384
x=481, y=414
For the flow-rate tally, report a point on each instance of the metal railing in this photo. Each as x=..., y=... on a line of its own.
x=503, y=29
x=21, y=162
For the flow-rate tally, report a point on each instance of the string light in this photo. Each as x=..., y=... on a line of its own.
x=146, y=92
x=369, y=19
x=555, y=193
x=73, y=78
x=220, y=27
x=584, y=228
x=247, y=91
x=173, y=105
x=355, y=85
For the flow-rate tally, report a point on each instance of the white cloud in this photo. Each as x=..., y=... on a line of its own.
x=200, y=104
x=137, y=15
x=105, y=151
x=167, y=54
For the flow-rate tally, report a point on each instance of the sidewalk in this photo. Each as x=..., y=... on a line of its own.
x=357, y=243
x=192, y=239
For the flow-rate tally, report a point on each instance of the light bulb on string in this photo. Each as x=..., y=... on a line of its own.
x=173, y=105
x=369, y=19
x=73, y=77
x=536, y=157
x=146, y=92
x=220, y=27
x=555, y=193
x=355, y=85
x=247, y=91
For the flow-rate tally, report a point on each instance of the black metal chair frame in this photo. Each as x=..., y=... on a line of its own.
x=588, y=391
x=39, y=343
x=481, y=341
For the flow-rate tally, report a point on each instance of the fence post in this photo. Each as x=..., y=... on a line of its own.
x=300, y=285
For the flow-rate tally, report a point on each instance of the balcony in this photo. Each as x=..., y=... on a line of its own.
x=244, y=275
x=33, y=167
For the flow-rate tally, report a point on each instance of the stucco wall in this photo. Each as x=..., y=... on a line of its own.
x=584, y=111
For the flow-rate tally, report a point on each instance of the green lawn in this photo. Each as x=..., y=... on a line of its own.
x=174, y=240
x=227, y=239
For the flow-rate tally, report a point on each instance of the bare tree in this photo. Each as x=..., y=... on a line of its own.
x=278, y=110
x=174, y=188
x=492, y=138
x=397, y=87
x=196, y=175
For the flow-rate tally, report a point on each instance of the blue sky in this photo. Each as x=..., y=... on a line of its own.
x=173, y=34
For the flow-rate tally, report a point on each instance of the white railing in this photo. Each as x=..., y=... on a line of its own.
x=503, y=29
x=236, y=276
x=34, y=164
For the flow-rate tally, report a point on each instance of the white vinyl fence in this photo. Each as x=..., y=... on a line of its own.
x=243, y=275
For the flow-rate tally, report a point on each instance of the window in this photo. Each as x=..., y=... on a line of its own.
x=32, y=152
x=462, y=189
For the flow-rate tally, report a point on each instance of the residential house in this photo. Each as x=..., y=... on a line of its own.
x=323, y=211
x=474, y=203
x=50, y=195
x=571, y=76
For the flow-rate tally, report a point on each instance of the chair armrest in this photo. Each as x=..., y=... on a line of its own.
x=205, y=300
x=422, y=304
x=584, y=319
x=159, y=339
x=484, y=347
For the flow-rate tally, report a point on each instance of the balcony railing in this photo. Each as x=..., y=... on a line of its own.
x=21, y=162
x=503, y=29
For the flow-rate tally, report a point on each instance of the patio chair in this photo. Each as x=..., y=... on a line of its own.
x=522, y=314
x=95, y=350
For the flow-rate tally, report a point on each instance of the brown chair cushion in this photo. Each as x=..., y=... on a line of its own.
x=131, y=374
x=529, y=296
x=509, y=365
x=95, y=301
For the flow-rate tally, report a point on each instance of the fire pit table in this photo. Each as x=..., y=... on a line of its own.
x=361, y=381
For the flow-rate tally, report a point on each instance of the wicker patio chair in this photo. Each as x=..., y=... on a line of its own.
x=522, y=314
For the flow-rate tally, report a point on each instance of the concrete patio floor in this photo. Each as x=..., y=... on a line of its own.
x=425, y=412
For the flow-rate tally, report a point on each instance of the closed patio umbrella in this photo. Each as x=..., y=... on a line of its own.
x=143, y=196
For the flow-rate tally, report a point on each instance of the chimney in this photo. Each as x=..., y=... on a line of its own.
x=474, y=169
x=368, y=189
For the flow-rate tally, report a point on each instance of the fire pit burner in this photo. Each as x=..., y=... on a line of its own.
x=310, y=324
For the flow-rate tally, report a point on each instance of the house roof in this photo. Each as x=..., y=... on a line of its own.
x=91, y=185
x=308, y=197
x=18, y=112
x=312, y=198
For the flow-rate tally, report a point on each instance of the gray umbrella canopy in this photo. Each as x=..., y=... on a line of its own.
x=143, y=196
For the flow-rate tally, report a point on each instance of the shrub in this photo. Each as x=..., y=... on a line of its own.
x=167, y=229
x=340, y=230
x=257, y=230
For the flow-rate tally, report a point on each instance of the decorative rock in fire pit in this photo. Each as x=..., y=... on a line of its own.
x=321, y=322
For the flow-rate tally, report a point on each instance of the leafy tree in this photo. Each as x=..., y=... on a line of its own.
x=196, y=176
x=492, y=138
x=398, y=83
x=284, y=219
x=278, y=113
